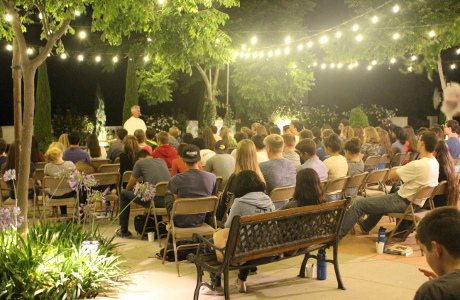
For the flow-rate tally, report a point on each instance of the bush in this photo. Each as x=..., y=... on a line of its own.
x=53, y=264
x=70, y=121
x=358, y=118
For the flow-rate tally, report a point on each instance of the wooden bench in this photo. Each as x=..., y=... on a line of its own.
x=298, y=231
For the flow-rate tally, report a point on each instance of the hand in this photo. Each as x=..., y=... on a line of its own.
x=429, y=274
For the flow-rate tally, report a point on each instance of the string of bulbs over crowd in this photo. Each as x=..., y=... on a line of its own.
x=274, y=50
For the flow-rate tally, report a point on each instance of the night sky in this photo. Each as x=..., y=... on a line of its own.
x=73, y=84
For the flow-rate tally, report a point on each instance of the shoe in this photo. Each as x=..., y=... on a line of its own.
x=241, y=285
x=363, y=231
x=124, y=233
x=219, y=291
x=253, y=270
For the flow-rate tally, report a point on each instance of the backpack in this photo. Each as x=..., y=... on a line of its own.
x=181, y=253
x=139, y=222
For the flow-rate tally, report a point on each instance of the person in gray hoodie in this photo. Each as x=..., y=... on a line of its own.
x=250, y=199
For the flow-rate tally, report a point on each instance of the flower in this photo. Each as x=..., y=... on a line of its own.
x=9, y=175
x=145, y=191
x=10, y=218
x=80, y=181
x=96, y=195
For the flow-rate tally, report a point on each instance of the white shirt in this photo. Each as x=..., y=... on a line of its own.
x=205, y=155
x=416, y=174
x=132, y=124
x=262, y=156
x=337, y=167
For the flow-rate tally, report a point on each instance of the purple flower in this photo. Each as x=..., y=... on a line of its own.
x=95, y=195
x=81, y=181
x=9, y=175
x=10, y=218
x=145, y=191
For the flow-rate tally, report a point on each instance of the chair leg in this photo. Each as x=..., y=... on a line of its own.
x=146, y=221
x=336, y=267
x=157, y=229
x=175, y=254
x=166, y=246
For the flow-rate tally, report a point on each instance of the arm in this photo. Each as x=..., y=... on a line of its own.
x=393, y=175
x=429, y=274
x=131, y=183
x=234, y=210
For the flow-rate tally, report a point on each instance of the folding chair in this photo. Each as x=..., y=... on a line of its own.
x=412, y=156
x=50, y=184
x=281, y=195
x=422, y=195
x=125, y=179
x=8, y=202
x=397, y=160
x=377, y=179
x=218, y=183
x=355, y=182
x=371, y=163
x=441, y=189
x=385, y=159
x=190, y=206
x=161, y=189
x=336, y=186
x=39, y=165
x=39, y=174
x=113, y=196
x=99, y=162
x=117, y=160
x=108, y=168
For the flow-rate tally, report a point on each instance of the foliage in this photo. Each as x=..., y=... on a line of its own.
x=155, y=84
x=376, y=114
x=358, y=118
x=52, y=263
x=42, y=121
x=318, y=116
x=162, y=123
x=99, y=114
x=131, y=95
x=229, y=120
x=413, y=23
x=72, y=120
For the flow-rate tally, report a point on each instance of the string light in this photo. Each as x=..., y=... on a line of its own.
x=374, y=62
x=253, y=40
x=310, y=44
x=287, y=50
x=63, y=56
x=294, y=67
x=77, y=13
x=97, y=58
x=243, y=47
x=149, y=39
x=369, y=68
x=115, y=59
x=315, y=64
x=323, y=39
x=235, y=54
x=350, y=66
x=247, y=55
x=339, y=66
x=300, y=47
x=414, y=57
x=375, y=19
x=80, y=57
x=9, y=47
x=254, y=55
x=359, y=38
x=242, y=54
x=262, y=54
x=82, y=34
x=161, y=1
x=288, y=40
x=30, y=51
x=278, y=52
x=146, y=58
x=355, y=27
x=393, y=60
x=458, y=51
x=40, y=16
x=395, y=8
x=332, y=66
x=432, y=33
x=409, y=69
x=338, y=34
x=217, y=41
x=356, y=64
x=270, y=54
x=323, y=66
x=453, y=66
x=396, y=36
x=8, y=18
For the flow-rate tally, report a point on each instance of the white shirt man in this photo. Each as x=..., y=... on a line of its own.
x=134, y=123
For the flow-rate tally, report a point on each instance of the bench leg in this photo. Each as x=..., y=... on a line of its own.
x=226, y=284
x=336, y=266
x=199, y=278
x=303, y=266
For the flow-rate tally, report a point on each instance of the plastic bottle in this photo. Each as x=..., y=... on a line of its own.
x=321, y=271
x=382, y=236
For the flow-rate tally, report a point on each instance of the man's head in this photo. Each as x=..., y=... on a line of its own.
x=451, y=127
x=286, y=129
x=221, y=147
x=289, y=142
x=122, y=133
x=136, y=111
x=191, y=154
x=296, y=127
x=258, y=141
x=427, y=141
x=74, y=138
x=239, y=136
x=248, y=132
x=199, y=142
x=174, y=131
x=316, y=132
x=307, y=148
x=150, y=133
x=343, y=123
x=326, y=133
x=163, y=138
x=438, y=235
x=274, y=144
x=306, y=134
x=275, y=130
x=352, y=146
x=142, y=154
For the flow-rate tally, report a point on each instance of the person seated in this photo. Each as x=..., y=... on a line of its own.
x=452, y=142
x=55, y=167
x=150, y=134
x=346, y=133
x=260, y=147
x=296, y=127
x=308, y=189
x=214, y=130
x=261, y=130
x=140, y=136
x=2, y=151
x=187, y=138
x=278, y=171
x=307, y=149
x=437, y=234
x=355, y=163
x=205, y=153
x=152, y=170
x=317, y=137
x=115, y=148
x=305, y=134
x=247, y=131
x=194, y=183
x=128, y=155
x=222, y=164
x=371, y=143
x=239, y=136
x=173, y=134
x=74, y=153
x=35, y=154
x=415, y=175
x=92, y=147
x=178, y=165
x=275, y=130
x=446, y=172
x=64, y=140
x=336, y=164
x=226, y=136
x=164, y=150
x=399, y=146
x=321, y=152
x=288, y=150
x=254, y=128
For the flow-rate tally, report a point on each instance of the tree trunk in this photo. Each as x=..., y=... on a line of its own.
x=443, y=80
x=131, y=93
x=210, y=87
x=17, y=99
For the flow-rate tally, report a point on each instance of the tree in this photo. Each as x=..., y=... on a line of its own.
x=52, y=19
x=131, y=94
x=423, y=28
x=358, y=118
x=265, y=84
x=42, y=122
x=99, y=115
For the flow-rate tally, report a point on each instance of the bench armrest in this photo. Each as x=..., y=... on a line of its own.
x=200, y=239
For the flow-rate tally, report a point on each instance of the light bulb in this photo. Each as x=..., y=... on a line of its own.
x=77, y=13
x=339, y=66
x=146, y=58
x=355, y=64
x=374, y=62
x=115, y=59
x=254, y=55
x=63, y=56
x=375, y=19
x=217, y=41
x=395, y=8
x=243, y=47
x=242, y=54
x=310, y=44
x=393, y=60
x=270, y=54
x=409, y=69
x=80, y=57
x=288, y=40
x=253, y=40
x=97, y=58
x=300, y=47
x=40, y=16
x=30, y=51
x=287, y=50
x=323, y=66
x=261, y=54
x=458, y=51
x=323, y=39
x=414, y=57
x=369, y=68
x=8, y=18
x=338, y=34
x=9, y=47
x=294, y=66
x=432, y=33
x=246, y=55
x=149, y=39
x=359, y=38
x=396, y=36
x=278, y=52
x=82, y=34
x=315, y=64
x=332, y=65
x=161, y=1
x=355, y=27
x=350, y=67
x=453, y=66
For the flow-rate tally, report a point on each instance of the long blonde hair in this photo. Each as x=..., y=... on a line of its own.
x=371, y=135
x=225, y=135
x=246, y=158
x=64, y=140
x=209, y=140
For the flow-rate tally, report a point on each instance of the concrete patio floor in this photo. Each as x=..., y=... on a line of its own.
x=365, y=274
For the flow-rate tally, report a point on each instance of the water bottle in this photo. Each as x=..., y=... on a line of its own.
x=321, y=271
x=382, y=236
x=107, y=208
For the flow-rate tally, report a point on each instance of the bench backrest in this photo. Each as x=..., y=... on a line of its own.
x=268, y=234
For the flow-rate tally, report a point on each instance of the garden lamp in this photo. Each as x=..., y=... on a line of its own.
x=90, y=245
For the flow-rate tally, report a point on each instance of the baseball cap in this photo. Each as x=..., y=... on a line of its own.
x=191, y=153
x=221, y=147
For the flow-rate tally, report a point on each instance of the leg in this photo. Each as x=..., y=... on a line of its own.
x=375, y=205
x=125, y=198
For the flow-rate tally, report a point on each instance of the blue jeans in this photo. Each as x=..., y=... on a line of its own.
x=375, y=208
x=126, y=197
x=334, y=197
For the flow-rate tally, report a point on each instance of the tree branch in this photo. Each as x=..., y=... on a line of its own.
x=50, y=43
x=202, y=72
x=216, y=79
x=16, y=26
x=441, y=72
x=44, y=21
